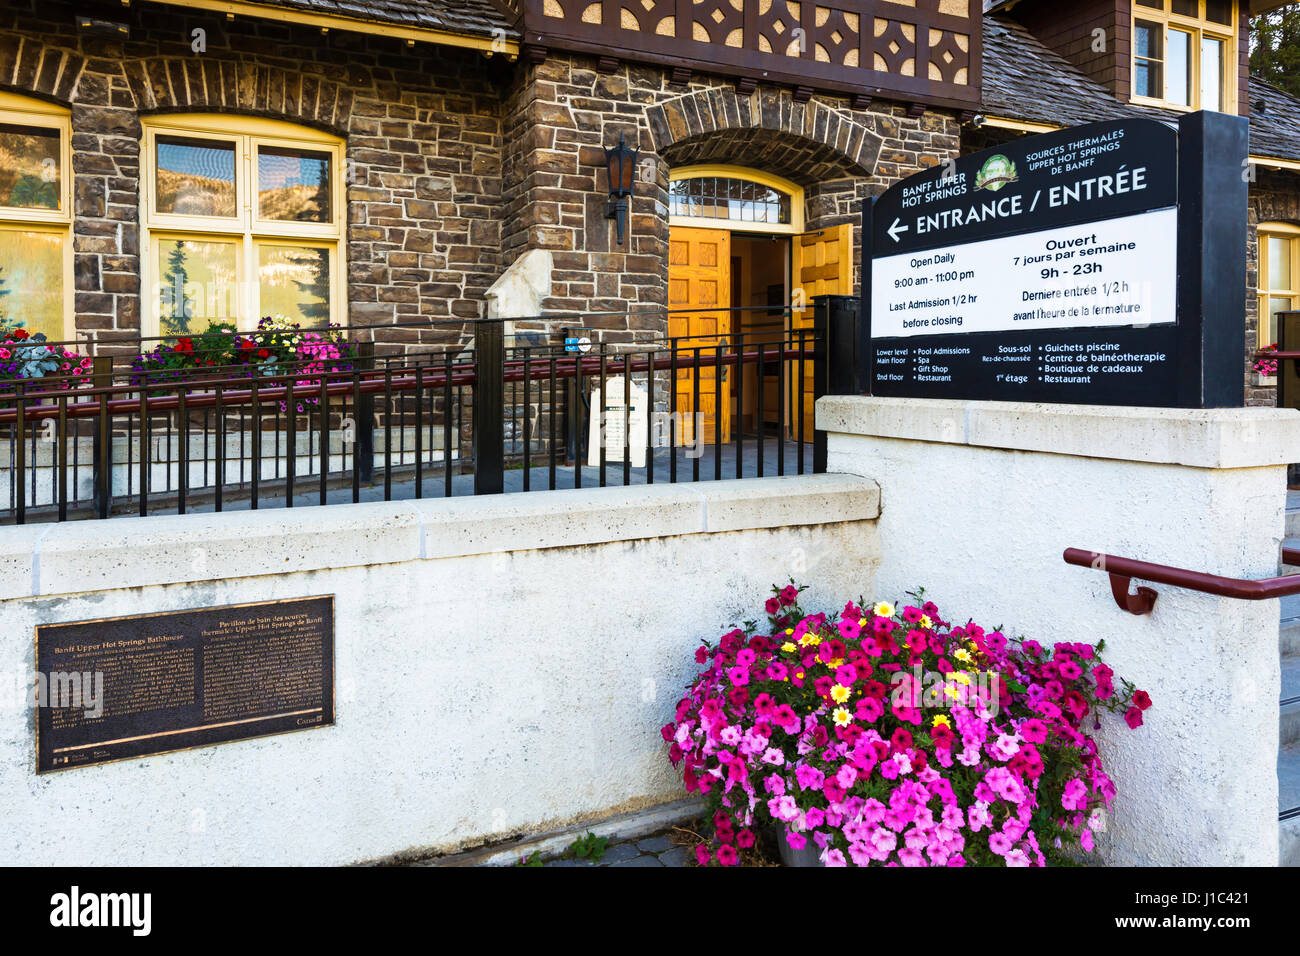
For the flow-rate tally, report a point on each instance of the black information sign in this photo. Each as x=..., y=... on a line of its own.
x=127, y=687
x=1074, y=266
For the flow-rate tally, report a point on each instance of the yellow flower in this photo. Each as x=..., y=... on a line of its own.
x=842, y=717
x=810, y=639
x=835, y=664
x=925, y=621
x=862, y=623
x=799, y=674
x=952, y=692
x=884, y=609
x=960, y=677
x=942, y=719
x=840, y=693
x=788, y=647
x=962, y=655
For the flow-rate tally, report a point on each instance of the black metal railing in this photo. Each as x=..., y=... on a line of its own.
x=496, y=414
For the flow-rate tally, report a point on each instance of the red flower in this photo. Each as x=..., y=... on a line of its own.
x=183, y=345
x=247, y=345
x=263, y=353
x=1142, y=699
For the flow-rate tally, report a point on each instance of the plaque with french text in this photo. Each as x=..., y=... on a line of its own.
x=126, y=687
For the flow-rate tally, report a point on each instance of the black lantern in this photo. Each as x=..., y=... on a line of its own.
x=620, y=164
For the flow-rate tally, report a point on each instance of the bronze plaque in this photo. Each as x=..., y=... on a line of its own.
x=125, y=687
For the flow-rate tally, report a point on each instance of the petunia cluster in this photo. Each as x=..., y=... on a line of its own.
x=887, y=736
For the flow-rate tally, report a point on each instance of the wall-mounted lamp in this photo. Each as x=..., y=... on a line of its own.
x=620, y=164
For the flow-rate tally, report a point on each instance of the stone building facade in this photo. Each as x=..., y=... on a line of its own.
x=564, y=111
x=467, y=146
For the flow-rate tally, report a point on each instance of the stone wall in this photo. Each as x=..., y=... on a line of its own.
x=1199, y=489
x=423, y=126
x=470, y=705
x=564, y=111
x=1274, y=197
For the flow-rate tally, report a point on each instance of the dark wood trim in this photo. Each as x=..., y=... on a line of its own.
x=820, y=64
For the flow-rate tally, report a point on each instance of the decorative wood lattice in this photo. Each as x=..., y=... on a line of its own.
x=914, y=50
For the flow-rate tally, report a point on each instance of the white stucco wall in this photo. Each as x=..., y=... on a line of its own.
x=502, y=663
x=979, y=499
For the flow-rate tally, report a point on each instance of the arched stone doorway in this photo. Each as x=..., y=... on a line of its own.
x=749, y=248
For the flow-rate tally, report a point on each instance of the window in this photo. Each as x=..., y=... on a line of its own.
x=1279, y=276
x=243, y=219
x=734, y=198
x=1184, y=53
x=35, y=217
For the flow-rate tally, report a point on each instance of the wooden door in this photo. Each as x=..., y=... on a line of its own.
x=823, y=265
x=699, y=278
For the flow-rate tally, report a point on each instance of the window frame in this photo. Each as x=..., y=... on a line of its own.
x=247, y=229
x=1200, y=28
x=17, y=110
x=1264, y=232
x=794, y=227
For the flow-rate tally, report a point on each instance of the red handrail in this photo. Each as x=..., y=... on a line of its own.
x=84, y=402
x=1123, y=570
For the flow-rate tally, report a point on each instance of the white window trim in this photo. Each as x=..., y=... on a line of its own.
x=1198, y=27
x=245, y=228
x=795, y=191
x=18, y=110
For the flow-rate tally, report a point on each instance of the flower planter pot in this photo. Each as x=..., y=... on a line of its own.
x=810, y=855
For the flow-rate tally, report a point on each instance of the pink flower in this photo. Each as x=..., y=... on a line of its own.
x=1075, y=796
x=810, y=778
x=727, y=855
x=1033, y=731
x=1133, y=717
x=834, y=858
x=883, y=840
x=702, y=855
x=999, y=843
x=911, y=857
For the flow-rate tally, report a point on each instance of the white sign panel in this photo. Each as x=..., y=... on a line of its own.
x=612, y=420
x=1118, y=272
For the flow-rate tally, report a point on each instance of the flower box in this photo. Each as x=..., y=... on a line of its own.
x=887, y=736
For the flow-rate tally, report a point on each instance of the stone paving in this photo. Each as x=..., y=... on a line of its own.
x=655, y=850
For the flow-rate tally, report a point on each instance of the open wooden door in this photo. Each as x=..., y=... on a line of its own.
x=823, y=265
x=699, y=277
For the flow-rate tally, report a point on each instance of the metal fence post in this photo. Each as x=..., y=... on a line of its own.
x=489, y=407
x=101, y=467
x=365, y=412
x=836, y=338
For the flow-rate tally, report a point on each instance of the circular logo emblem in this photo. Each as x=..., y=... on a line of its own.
x=996, y=172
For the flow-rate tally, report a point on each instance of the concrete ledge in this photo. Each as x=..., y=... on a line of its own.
x=1198, y=438
x=83, y=556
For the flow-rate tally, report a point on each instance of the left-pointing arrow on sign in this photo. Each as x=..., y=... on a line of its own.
x=895, y=229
